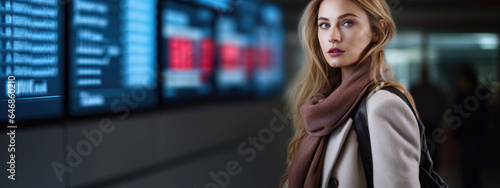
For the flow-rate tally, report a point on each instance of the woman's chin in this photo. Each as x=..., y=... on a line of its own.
x=335, y=64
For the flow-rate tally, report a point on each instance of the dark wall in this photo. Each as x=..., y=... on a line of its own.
x=168, y=148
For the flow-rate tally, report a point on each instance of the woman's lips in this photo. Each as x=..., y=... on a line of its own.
x=334, y=52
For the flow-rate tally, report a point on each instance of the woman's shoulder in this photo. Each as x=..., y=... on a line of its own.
x=380, y=99
x=386, y=110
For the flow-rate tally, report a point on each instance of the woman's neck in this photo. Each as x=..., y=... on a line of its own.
x=345, y=71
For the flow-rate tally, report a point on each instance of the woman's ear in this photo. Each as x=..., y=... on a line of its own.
x=377, y=36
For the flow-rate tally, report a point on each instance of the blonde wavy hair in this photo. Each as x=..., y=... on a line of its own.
x=313, y=76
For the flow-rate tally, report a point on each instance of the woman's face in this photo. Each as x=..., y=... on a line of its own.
x=343, y=31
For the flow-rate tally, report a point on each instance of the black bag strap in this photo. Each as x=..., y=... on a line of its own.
x=360, y=119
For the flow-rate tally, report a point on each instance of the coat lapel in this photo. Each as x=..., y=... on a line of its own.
x=334, y=145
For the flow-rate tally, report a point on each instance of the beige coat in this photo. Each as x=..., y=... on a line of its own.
x=395, y=143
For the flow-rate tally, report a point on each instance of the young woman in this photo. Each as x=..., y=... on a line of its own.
x=344, y=41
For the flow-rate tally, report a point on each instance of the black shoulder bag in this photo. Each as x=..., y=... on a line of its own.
x=427, y=177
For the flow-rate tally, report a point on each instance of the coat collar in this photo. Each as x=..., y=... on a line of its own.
x=333, y=148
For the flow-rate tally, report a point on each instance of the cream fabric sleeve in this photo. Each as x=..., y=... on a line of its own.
x=285, y=185
x=395, y=141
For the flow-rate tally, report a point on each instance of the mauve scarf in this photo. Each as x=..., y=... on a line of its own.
x=321, y=116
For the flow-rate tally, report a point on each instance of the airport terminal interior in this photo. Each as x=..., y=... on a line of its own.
x=192, y=93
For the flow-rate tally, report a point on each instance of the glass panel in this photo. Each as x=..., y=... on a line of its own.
x=404, y=55
x=448, y=51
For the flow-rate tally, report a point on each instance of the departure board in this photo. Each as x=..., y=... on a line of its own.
x=269, y=71
x=113, y=55
x=31, y=59
x=217, y=5
x=188, y=51
x=235, y=41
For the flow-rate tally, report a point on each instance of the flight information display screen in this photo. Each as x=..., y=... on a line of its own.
x=188, y=51
x=112, y=55
x=31, y=59
x=269, y=72
x=236, y=54
x=217, y=5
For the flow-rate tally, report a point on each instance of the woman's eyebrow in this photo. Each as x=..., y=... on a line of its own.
x=322, y=18
x=346, y=15
x=340, y=17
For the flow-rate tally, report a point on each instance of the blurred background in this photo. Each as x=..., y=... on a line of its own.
x=190, y=93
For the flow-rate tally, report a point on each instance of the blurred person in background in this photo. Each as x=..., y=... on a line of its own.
x=344, y=43
x=430, y=102
x=471, y=131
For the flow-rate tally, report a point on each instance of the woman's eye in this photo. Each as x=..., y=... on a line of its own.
x=324, y=25
x=347, y=23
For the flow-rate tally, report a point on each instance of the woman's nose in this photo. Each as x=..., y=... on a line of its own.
x=334, y=35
